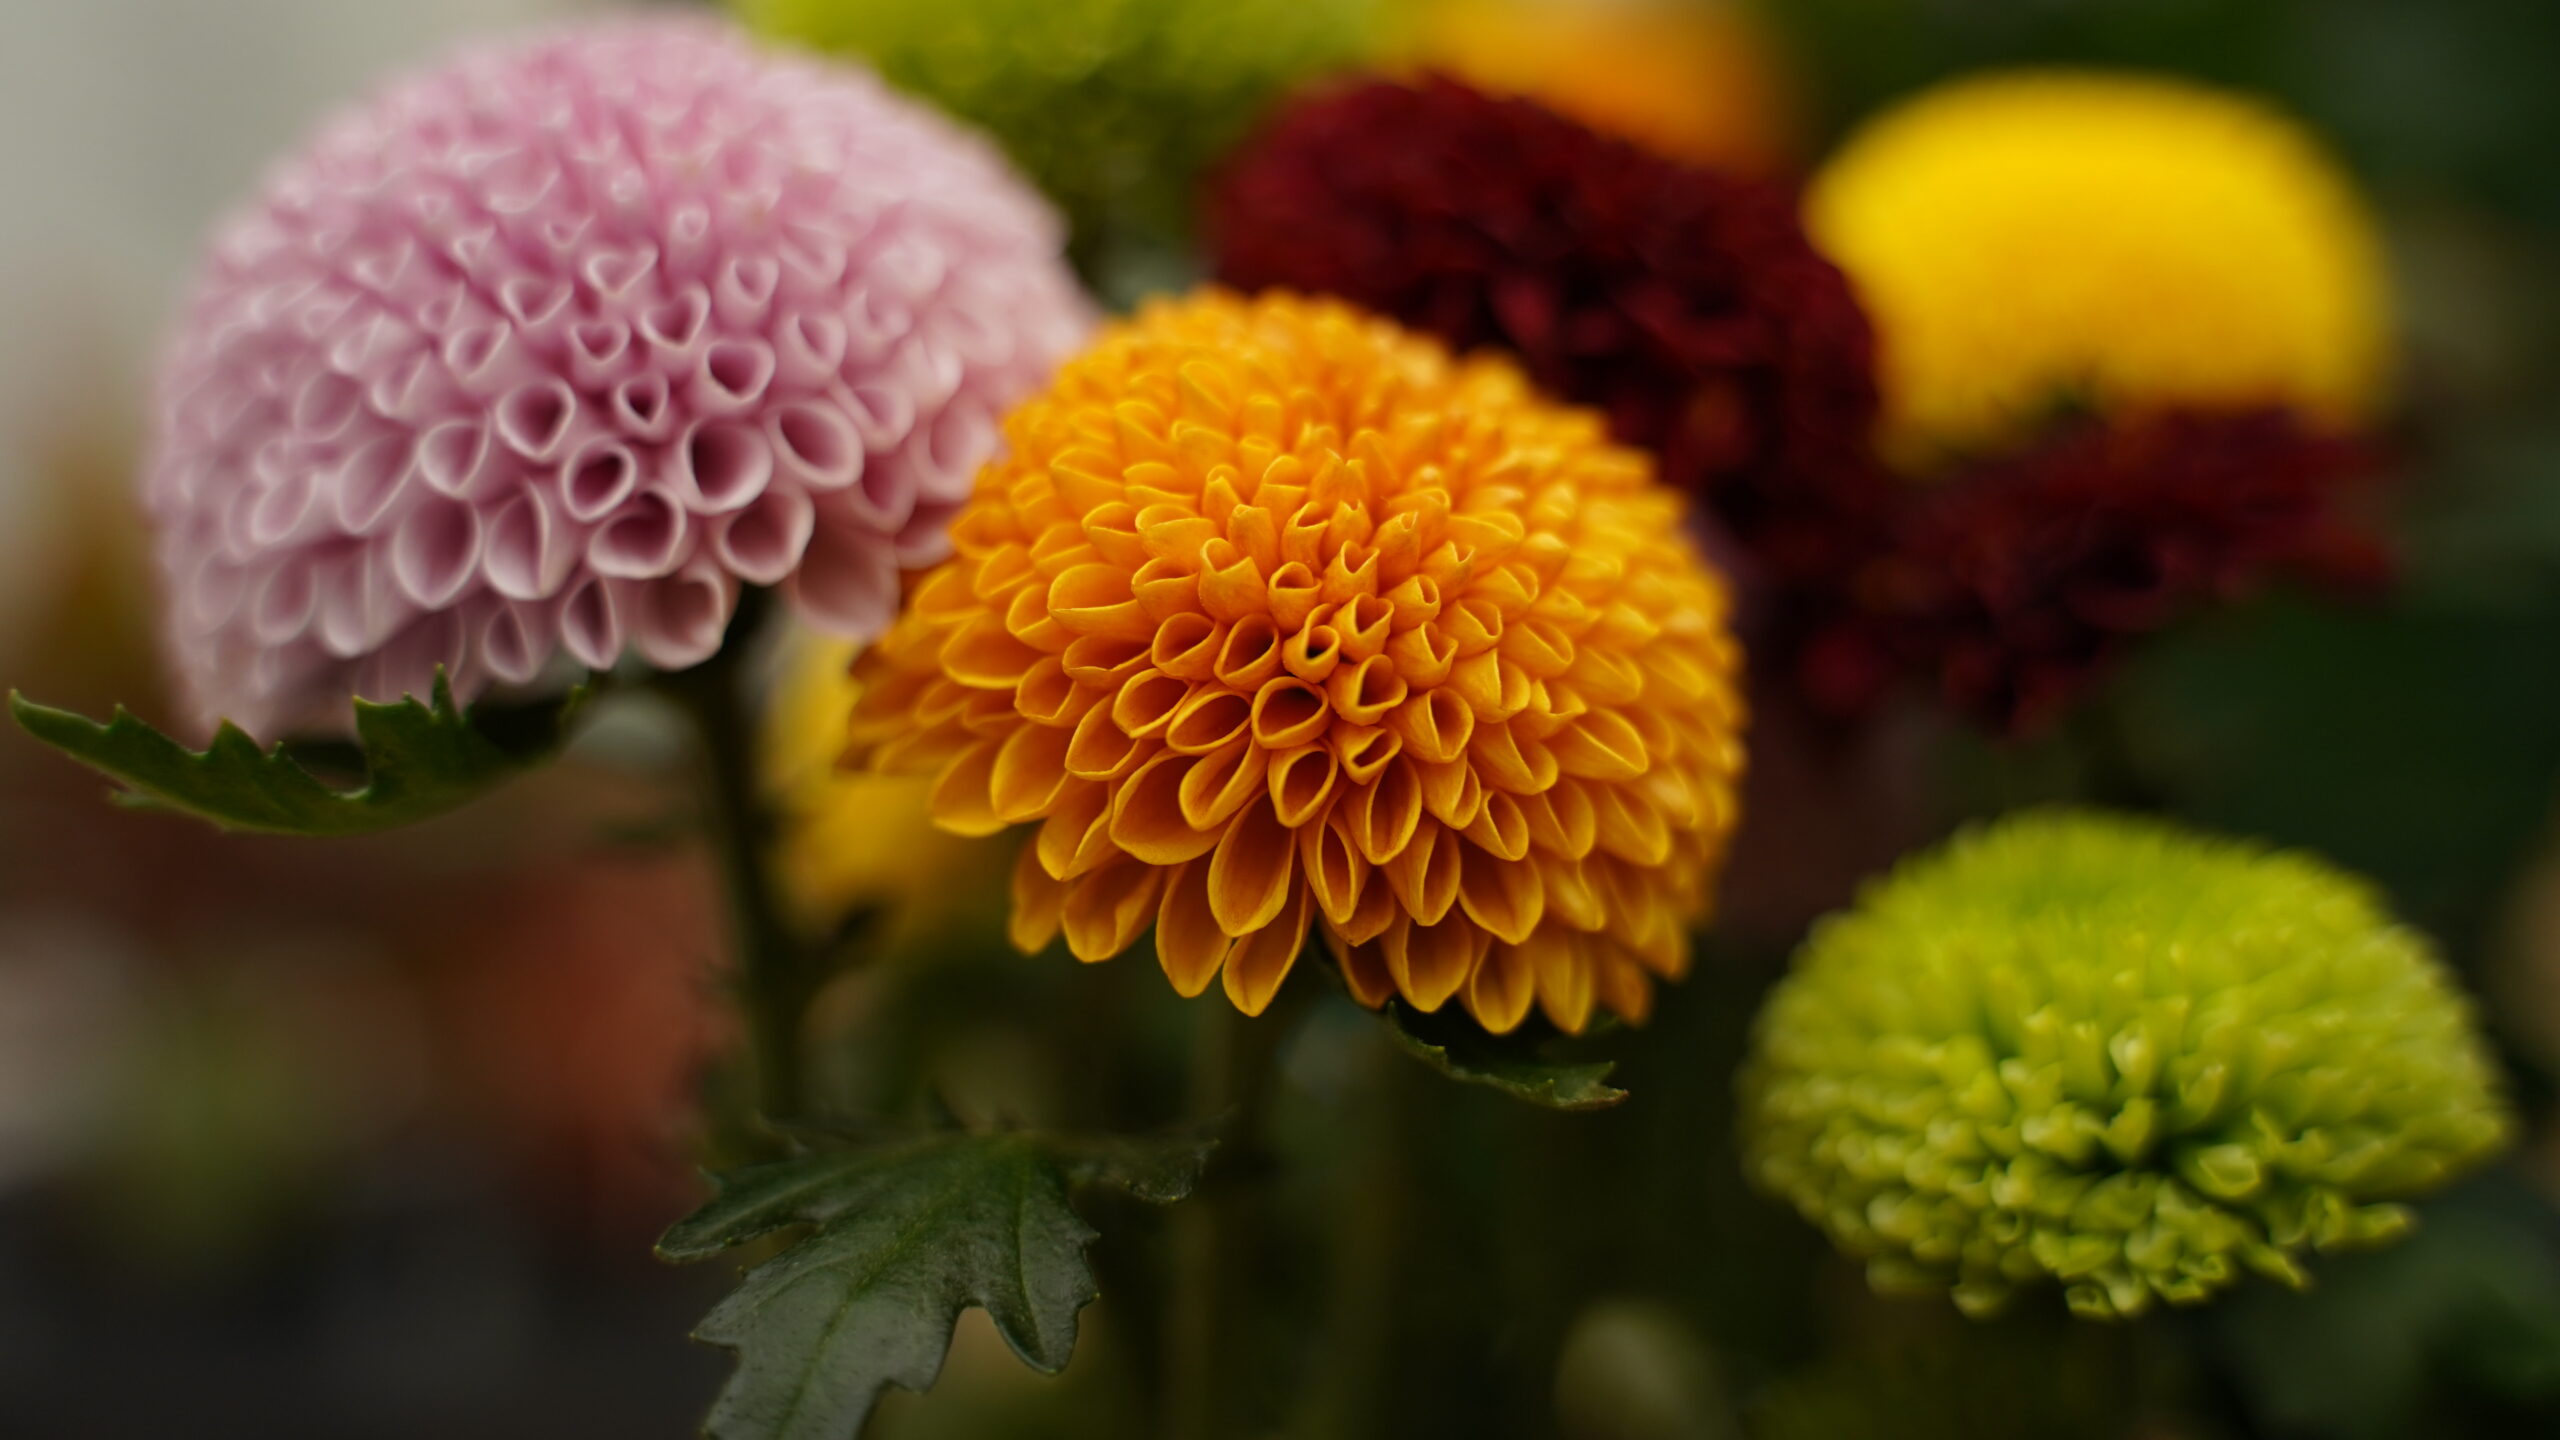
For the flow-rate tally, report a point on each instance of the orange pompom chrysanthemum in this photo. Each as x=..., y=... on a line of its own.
x=1275, y=617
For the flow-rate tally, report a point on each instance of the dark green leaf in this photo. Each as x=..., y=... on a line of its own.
x=1518, y=1067
x=417, y=760
x=899, y=1240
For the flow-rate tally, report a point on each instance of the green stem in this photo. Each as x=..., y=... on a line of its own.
x=776, y=967
x=1369, y=1239
x=1231, y=1071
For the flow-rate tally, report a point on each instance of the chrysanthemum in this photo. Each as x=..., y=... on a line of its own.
x=2111, y=1054
x=2015, y=586
x=2112, y=242
x=556, y=345
x=1276, y=619
x=1697, y=82
x=1112, y=106
x=1686, y=305
x=845, y=839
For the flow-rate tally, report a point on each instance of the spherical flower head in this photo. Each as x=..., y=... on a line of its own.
x=555, y=346
x=2115, y=242
x=1275, y=619
x=1113, y=106
x=1686, y=305
x=2106, y=1052
x=1696, y=82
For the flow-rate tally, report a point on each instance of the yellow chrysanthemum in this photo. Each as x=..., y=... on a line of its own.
x=2041, y=238
x=845, y=838
x=1695, y=81
x=1274, y=618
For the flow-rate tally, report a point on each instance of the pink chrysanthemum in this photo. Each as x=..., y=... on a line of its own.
x=553, y=347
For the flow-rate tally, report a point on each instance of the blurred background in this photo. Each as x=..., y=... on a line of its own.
x=369, y=1139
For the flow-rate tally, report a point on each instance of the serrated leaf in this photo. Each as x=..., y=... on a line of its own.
x=899, y=1241
x=1516, y=1066
x=418, y=760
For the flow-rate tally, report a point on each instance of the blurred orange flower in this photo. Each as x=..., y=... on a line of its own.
x=1699, y=82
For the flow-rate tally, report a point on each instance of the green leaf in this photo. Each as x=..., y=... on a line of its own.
x=417, y=761
x=1518, y=1067
x=898, y=1241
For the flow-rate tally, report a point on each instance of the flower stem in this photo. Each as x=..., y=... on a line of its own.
x=1231, y=1073
x=776, y=973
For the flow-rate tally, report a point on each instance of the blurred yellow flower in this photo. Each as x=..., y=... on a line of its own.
x=1696, y=81
x=1276, y=618
x=845, y=838
x=2050, y=238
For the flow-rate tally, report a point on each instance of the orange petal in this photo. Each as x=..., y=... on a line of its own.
x=962, y=803
x=1568, y=980
x=1101, y=750
x=985, y=656
x=1076, y=837
x=1209, y=718
x=1314, y=649
x=1106, y=909
x=1363, y=749
x=1030, y=773
x=1624, y=989
x=1425, y=873
x=1493, y=687
x=1500, y=827
x=1452, y=792
x=1364, y=693
x=1334, y=866
x=1364, y=970
x=1146, y=814
x=1570, y=894
x=1377, y=909
x=1048, y=696
x=1147, y=702
x=1186, y=646
x=1631, y=828
x=1302, y=783
x=1424, y=657
x=1221, y=783
x=1562, y=820
x=1293, y=596
x=1095, y=599
x=1288, y=712
x=1432, y=963
x=1385, y=813
x=1507, y=763
x=1507, y=899
x=1604, y=745
x=1105, y=660
x=1499, y=992
x=1037, y=899
x=1436, y=725
x=1250, y=875
x=1264, y=958
x=1249, y=655
x=1189, y=943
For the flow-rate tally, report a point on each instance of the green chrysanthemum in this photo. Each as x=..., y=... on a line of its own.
x=2111, y=1053
x=1113, y=106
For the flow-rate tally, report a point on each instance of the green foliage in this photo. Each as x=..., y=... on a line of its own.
x=418, y=761
x=2116, y=1055
x=896, y=1241
x=1518, y=1067
x=1111, y=106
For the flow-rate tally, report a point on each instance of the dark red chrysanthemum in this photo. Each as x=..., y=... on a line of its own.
x=1687, y=305
x=2013, y=583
